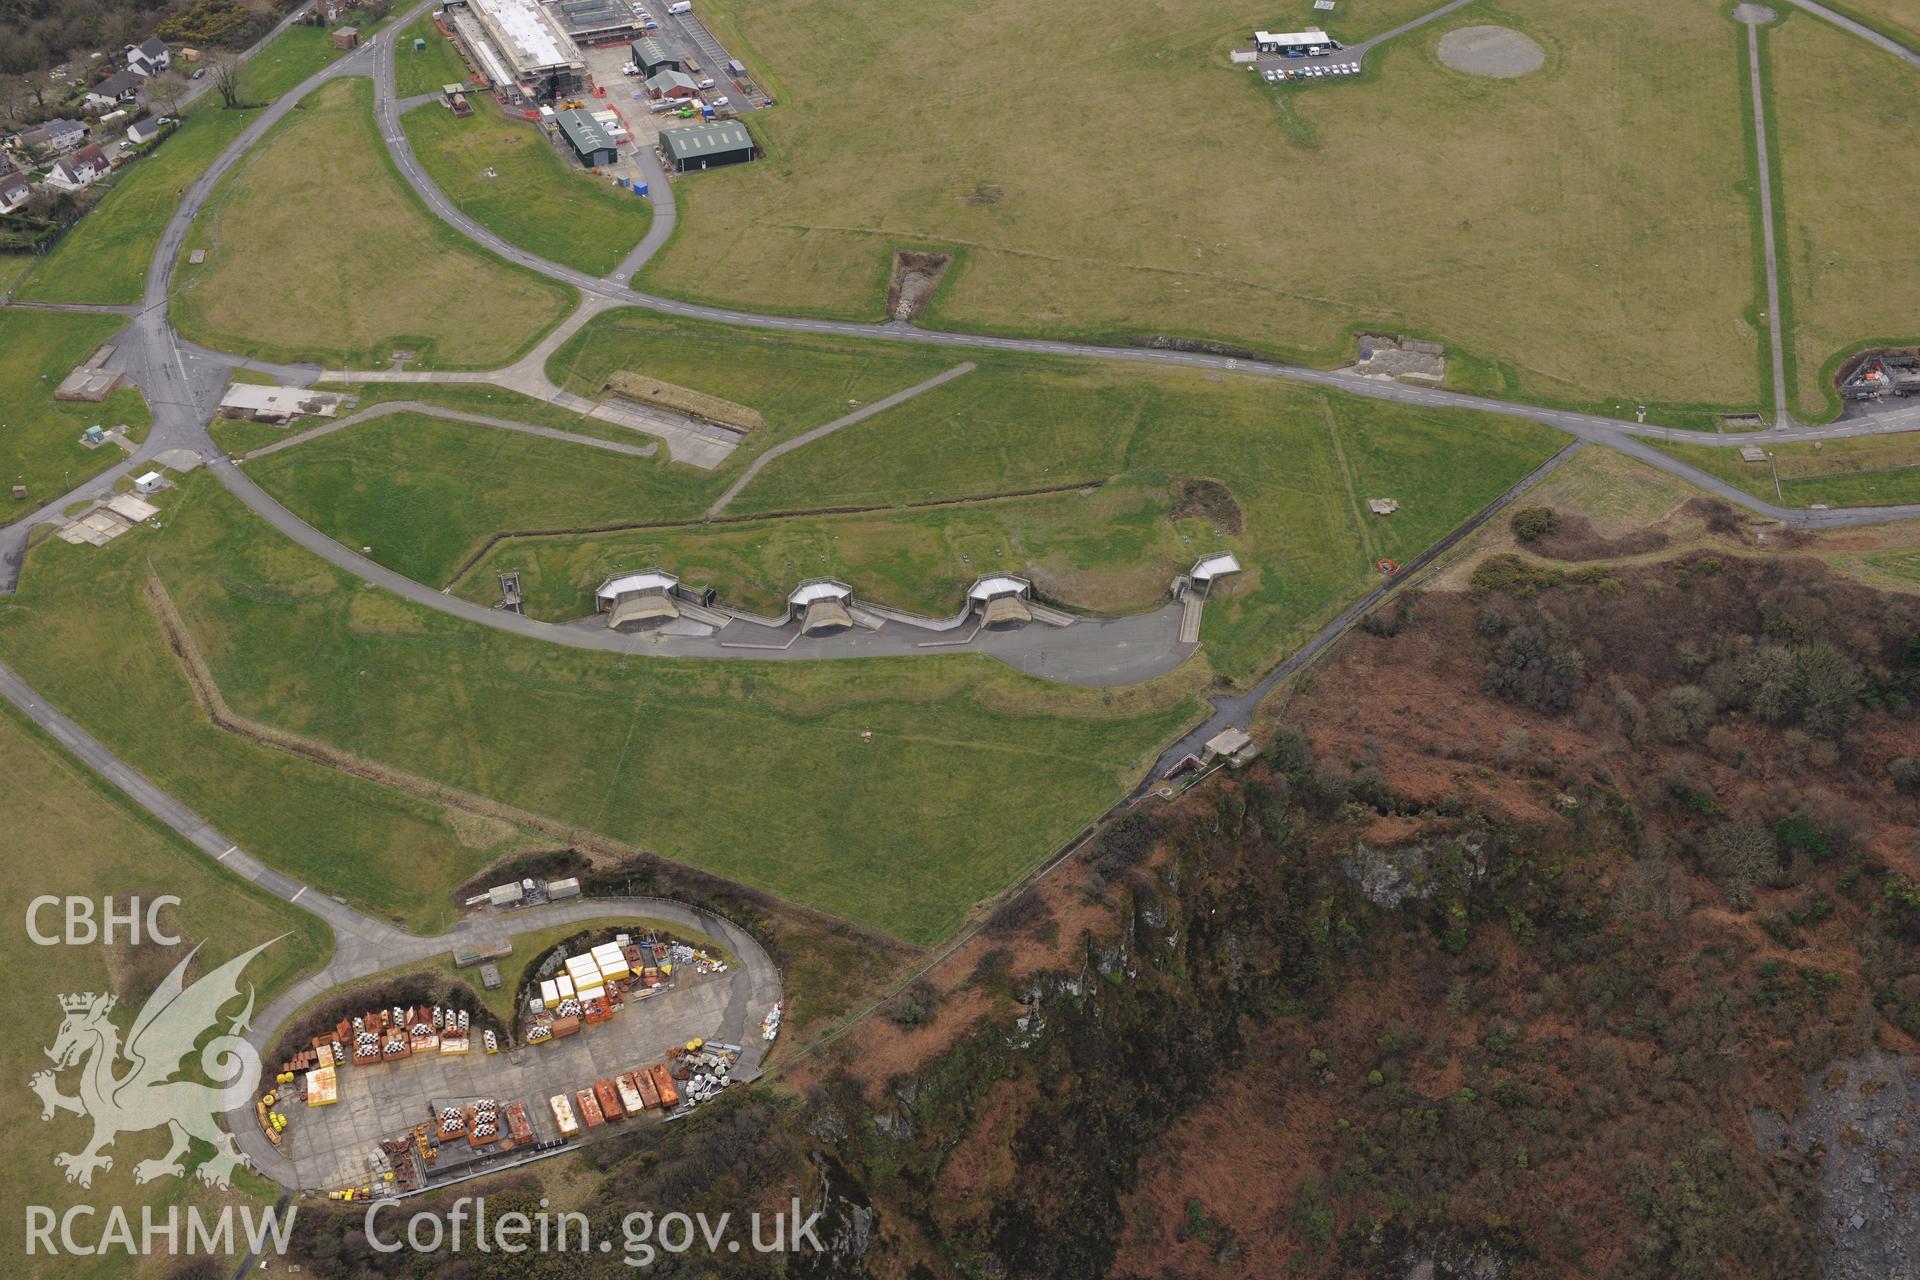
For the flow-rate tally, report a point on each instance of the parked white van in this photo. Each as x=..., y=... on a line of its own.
x=680, y=6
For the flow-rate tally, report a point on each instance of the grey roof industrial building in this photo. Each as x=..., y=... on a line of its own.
x=650, y=56
x=693, y=147
x=588, y=140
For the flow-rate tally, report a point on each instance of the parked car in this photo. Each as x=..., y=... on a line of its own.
x=720, y=101
x=707, y=83
x=197, y=73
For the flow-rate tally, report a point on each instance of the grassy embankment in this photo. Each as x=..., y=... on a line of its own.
x=69, y=834
x=425, y=72
x=377, y=273
x=106, y=256
x=1611, y=267
x=40, y=436
x=1871, y=471
x=894, y=831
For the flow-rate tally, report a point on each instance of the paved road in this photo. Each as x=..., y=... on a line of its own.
x=364, y=946
x=1782, y=414
x=1860, y=29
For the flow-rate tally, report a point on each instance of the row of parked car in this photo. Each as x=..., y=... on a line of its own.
x=1277, y=74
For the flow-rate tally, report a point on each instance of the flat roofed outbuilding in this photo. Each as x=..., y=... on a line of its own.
x=1286, y=41
x=707, y=146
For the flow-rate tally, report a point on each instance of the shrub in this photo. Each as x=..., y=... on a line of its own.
x=1289, y=752
x=1530, y=524
x=1905, y=772
x=915, y=1006
x=1739, y=856
x=1537, y=670
x=1685, y=712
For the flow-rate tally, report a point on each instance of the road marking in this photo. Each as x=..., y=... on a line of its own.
x=296, y=897
x=230, y=849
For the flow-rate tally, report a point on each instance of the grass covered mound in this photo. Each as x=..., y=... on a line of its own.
x=317, y=250
x=665, y=395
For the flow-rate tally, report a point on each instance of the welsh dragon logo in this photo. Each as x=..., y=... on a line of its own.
x=146, y=1095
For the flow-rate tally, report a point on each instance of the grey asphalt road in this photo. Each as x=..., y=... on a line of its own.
x=1782, y=416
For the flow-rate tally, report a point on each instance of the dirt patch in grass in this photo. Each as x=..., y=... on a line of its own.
x=1577, y=539
x=917, y=275
x=1209, y=500
x=654, y=393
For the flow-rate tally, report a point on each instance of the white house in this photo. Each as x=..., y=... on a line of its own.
x=141, y=132
x=81, y=169
x=122, y=86
x=149, y=57
x=15, y=190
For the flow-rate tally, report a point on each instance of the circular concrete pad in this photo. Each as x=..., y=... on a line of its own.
x=1491, y=51
x=1756, y=14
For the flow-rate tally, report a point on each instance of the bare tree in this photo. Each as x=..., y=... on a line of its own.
x=166, y=91
x=226, y=79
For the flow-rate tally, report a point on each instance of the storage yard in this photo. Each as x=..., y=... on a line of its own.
x=608, y=1027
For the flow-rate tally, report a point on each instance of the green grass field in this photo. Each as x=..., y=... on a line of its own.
x=886, y=831
x=1848, y=222
x=439, y=64
x=1873, y=471
x=293, y=55
x=318, y=251
x=105, y=258
x=405, y=487
x=536, y=199
x=1897, y=18
x=68, y=834
x=1579, y=231
x=40, y=436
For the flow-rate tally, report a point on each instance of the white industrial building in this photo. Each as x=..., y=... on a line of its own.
x=520, y=42
x=1310, y=43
